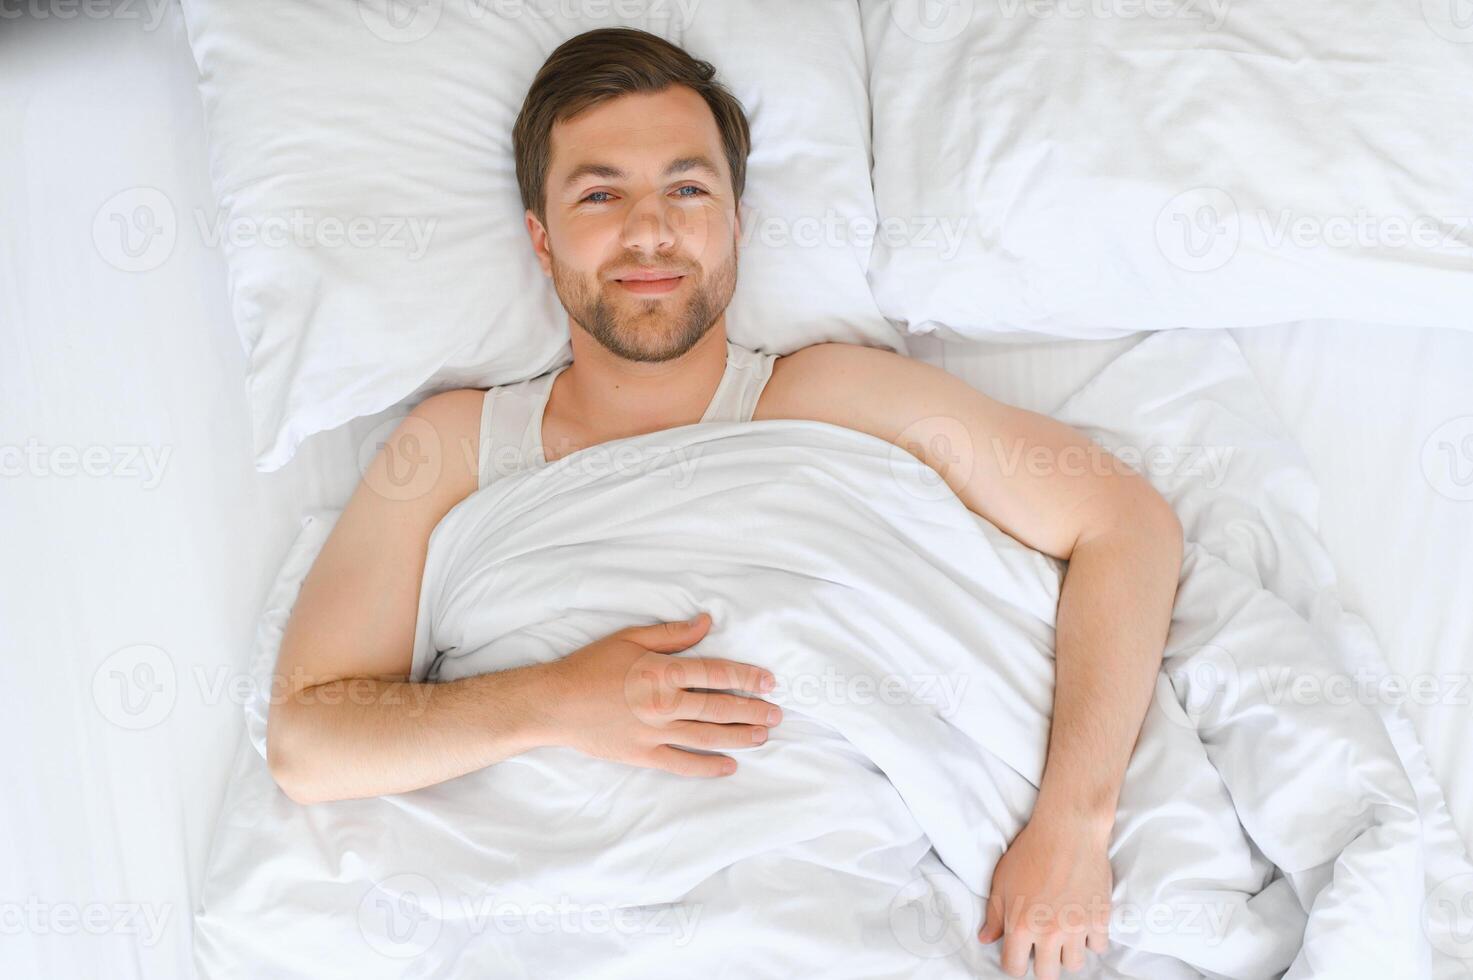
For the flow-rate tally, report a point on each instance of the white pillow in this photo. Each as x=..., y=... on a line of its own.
x=1119, y=165
x=362, y=158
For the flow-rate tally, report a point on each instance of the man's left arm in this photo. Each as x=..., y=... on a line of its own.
x=1053, y=489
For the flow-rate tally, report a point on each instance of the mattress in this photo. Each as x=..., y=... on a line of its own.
x=142, y=542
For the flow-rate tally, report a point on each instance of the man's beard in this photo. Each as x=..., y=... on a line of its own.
x=654, y=329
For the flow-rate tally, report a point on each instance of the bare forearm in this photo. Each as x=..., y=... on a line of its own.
x=1114, y=612
x=361, y=737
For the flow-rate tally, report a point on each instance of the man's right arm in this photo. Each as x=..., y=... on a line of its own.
x=345, y=720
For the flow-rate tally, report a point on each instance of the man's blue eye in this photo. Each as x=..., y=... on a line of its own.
x=689, y=187
x=590, y=197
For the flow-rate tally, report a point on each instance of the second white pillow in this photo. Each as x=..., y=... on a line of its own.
x=1104, y=166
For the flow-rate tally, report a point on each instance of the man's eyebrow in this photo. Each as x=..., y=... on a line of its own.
x=593, y=170
x=697, y=162
x=608, y=172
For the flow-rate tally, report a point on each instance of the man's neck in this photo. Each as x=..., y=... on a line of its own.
x=613, y=398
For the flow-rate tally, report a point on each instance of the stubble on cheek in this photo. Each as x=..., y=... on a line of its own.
x=640, y=329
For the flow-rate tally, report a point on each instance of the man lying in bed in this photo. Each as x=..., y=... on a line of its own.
x=631, y=161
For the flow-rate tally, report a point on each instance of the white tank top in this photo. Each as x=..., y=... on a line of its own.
x=511, y=415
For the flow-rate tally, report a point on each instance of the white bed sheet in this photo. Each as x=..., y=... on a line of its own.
x=99, y=819
x=1363, y=401
x=1385, y=418
x=116, y=821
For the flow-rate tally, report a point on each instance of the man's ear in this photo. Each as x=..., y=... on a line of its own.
x=737, y=226
x=538, y=234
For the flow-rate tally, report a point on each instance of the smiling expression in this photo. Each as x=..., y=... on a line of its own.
x=641, y=230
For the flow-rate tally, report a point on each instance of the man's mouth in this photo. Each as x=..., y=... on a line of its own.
x=650, y=281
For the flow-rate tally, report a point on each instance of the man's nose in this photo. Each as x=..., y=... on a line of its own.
x=649, y=226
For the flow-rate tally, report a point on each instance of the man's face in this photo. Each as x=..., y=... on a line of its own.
x=641, y=228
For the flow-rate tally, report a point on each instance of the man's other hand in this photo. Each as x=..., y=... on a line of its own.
x=1050, y=896
x=624, y=698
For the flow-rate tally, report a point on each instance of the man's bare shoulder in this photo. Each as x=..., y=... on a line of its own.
x=455, y=415
x=835, y=382
x=459, y=406
x=825, y=357
x=444, y=431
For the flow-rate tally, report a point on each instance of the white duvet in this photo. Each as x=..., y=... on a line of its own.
x=1273, y=819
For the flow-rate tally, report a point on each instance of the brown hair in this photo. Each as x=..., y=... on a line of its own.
x=600, y=65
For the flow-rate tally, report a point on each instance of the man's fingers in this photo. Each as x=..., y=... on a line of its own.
x=695, y=764
x=1072, y=954
x=1016, y=946
x=725, y=675
x=992, y=928
x=727, y=709
x=703, y=672
x=703, y=735
x=1098, y=942
x=660, y=699
x=670, y=637
x=1046, y=957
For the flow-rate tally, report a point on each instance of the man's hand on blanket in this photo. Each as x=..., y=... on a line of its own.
x=1051, y=896
x=624, y=698
x=1057, y=491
